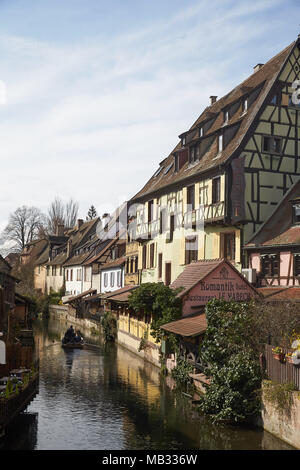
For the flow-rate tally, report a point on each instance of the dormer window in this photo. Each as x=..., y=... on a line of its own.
x=296, y=214
x=220, y=143
x=194, y=154
x=183, y=141
x=245, y=105
x=201, y=132
x=226, y=117
x=176, y=162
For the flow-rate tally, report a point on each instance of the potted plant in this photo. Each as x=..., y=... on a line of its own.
x=289, y=357
x=278, y=353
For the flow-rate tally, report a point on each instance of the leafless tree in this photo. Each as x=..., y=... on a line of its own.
x=60, y=213
x=71, y=213
x=24, y=225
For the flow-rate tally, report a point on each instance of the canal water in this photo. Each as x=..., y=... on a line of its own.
x=107, y=398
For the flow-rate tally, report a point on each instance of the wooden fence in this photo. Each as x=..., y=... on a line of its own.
x=281, y=372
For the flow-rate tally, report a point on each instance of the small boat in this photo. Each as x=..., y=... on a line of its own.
x=74, y=345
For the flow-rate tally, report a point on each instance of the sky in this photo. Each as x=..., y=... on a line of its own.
x=93, y=94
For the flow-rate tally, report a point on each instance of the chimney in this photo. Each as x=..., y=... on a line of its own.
x=213, y=99
x=69, y=248
x=79, y=223
x=60, y=230
x=257, y=67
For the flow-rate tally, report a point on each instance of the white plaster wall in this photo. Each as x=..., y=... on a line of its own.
x=73, y=287
x=109, y=287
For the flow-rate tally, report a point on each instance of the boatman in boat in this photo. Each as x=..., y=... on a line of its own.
x=69, y=335
x=78, y=337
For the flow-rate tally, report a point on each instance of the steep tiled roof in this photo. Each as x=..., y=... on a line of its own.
x=260, y=82
x=119, y=295
x=272, y=294
x=114, y=264
x=197, y=271
x=194, y=273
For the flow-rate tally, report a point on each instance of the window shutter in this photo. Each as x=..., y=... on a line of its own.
x=237, y=246
x=155, y=255
x=182, y=251
x=209, y=192
x=184, y=200
x=216, y=245
x=197, y=195
x=140, y=257
x=201, y=245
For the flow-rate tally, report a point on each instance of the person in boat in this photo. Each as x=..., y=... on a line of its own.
x=69, y=335
x=78, y=337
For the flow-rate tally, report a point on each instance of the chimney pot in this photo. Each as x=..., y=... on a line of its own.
x=79, y=223
x=213, y=99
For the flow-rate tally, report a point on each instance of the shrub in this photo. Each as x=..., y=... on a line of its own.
x=158, y=300
x=232, y=362
x=181, y=372
x=109, y=325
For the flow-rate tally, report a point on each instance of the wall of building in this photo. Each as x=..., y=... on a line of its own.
x=286, y=269
x=40, y=276
x=54, y=282
x=112, y=284
x=268, y=176
x=73, y=287
x=86, y=278
x=96, y=282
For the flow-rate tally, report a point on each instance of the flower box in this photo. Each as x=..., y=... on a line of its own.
x=289, y=359
x=279, y=356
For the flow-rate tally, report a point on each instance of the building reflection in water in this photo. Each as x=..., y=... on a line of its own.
x=109, y=398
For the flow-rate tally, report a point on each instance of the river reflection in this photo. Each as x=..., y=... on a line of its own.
x=107, y=398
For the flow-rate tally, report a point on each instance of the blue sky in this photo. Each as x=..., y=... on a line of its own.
x=94, y=94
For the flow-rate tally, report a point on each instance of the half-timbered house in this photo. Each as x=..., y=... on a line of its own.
x=273, y=253
x=225, y=176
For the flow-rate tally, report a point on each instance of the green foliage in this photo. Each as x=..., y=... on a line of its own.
x=158, y=300
x=233, y=391
x=181, y=372
x=94, y=331
x=279, y=395
x=232, y=364
x=9, y=389
x=109, y=325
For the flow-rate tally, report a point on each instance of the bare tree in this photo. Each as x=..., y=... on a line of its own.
x=24, y=225
x=60, y=213
x=56, y=215
x=71, y=213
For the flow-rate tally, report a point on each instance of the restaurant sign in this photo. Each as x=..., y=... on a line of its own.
x=223, y=283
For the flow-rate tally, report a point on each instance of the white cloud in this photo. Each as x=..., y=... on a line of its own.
x=93, y=119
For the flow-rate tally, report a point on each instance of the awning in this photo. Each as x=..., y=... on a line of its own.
x=119, y=295
x=189, y=326
x=80, y=296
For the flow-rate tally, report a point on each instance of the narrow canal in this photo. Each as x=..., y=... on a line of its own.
x=108, y=398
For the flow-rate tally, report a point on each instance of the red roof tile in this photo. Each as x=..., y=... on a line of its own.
x=280, y=293
x=189, y=326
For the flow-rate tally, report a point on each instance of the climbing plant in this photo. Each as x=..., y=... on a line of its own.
x=109, y=325
x=232, y=363
x=158, y=300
